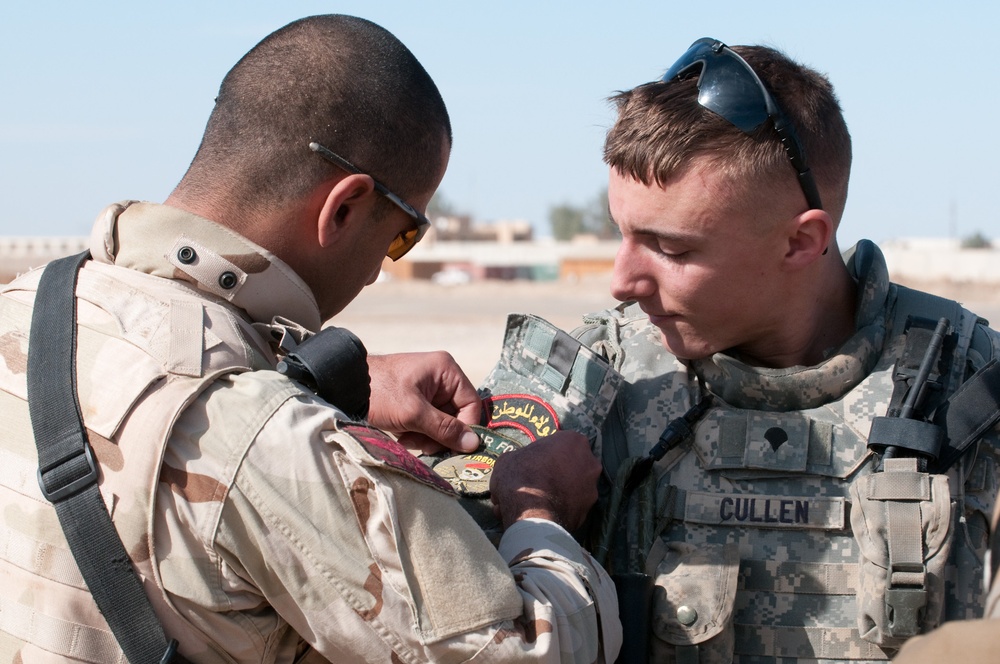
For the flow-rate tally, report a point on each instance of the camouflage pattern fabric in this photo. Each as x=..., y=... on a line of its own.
x=765, y=482
x=264, y=525
x=968, y=641
x=544, y=381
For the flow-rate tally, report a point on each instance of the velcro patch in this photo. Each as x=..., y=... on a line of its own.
x=496, y=442
x=526, y=413
x=394, y=456
x=760, y=511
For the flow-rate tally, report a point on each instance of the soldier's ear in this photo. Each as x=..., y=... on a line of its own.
x=348, y=203
x=809, y=235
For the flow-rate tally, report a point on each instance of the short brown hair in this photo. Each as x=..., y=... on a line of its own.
x=661, y=128
x=342, y=81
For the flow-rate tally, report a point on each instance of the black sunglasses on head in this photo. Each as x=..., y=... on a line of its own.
x=405, y=240
x=730, y=88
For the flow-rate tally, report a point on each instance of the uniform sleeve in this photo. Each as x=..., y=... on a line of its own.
x=966, y=641
x=562, y=586
x=366, y=561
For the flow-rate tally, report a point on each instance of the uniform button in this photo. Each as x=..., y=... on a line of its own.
x=227, y=280
x=686, y=615
x=186, y=255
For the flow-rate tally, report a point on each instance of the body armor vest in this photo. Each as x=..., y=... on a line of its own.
x=146, y=348
x=757, y=547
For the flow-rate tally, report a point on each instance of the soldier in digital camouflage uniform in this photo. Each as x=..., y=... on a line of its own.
x=773, y=533
x=265, y=524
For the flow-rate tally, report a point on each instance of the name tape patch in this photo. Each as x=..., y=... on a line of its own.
x=764, y=511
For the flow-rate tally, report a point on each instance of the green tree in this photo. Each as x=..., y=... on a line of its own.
x=439, y=206
x=567, y=221
x=976, y=241
x=598, y=220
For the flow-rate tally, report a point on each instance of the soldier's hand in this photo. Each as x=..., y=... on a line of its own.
x=554, y=478
x=426, y=399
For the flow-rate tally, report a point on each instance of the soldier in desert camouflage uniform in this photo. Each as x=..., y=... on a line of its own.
x=765, y=531
x=265, y=524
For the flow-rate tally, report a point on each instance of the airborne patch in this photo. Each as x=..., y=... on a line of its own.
x=525, y=413
x=394, y=456
x=468, y=474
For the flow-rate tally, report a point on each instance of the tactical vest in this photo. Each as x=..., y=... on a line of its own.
x=146, y=348
x=750, y=529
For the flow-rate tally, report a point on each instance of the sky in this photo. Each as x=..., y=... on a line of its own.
x=105, y=101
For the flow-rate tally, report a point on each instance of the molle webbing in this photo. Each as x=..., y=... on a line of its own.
x=799, y=577
x=805, y=643
x=70, y=640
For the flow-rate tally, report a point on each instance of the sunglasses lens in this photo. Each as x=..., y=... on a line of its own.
x=403, y=242
x=726, y=85
x=730, y=90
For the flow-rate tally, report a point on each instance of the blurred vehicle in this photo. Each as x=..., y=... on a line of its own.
x=451, y=277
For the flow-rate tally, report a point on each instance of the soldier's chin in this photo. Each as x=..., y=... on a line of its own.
x=682, y=349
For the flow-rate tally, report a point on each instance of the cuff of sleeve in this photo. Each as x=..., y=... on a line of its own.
x=530, y=538
x=541, y=544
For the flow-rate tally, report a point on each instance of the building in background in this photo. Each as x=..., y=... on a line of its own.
x=20, y=254
x=457, y=251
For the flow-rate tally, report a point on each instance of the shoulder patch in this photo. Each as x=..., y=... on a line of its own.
x=391, y=455
x=527, y=413
x=468, y=474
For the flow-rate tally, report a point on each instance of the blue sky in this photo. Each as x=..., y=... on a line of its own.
x=103, y=101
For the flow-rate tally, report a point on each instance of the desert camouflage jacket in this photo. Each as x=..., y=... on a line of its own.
x=264, y=525
x=764, y=553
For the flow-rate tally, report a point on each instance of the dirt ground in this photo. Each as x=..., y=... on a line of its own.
x=468, y=320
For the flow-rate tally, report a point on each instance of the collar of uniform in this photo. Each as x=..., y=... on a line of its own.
x=171, y=243
x=799, y=388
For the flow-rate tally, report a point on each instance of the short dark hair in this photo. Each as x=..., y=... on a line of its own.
x=661, y=127
x=342, y=81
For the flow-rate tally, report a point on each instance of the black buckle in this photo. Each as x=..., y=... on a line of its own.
x=905, y=607
x=67, y=486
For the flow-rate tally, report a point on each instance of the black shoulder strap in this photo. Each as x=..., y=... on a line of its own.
x=68, y=474
x=970, y=412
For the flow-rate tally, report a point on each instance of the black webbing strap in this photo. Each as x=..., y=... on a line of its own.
x=971, y=411
x=67, y=472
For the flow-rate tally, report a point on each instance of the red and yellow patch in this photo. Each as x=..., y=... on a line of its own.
x=394, y=456
x=526, y=413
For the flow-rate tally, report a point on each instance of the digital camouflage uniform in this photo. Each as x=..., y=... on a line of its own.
x=757, y=559
x=260, y=520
